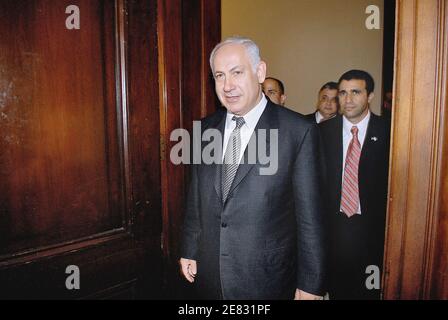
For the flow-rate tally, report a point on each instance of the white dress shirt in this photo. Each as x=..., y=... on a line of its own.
x=251, y=119
x=319, y=117
x=347, y=137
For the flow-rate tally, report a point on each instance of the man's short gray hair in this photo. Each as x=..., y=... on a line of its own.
x=251, y=48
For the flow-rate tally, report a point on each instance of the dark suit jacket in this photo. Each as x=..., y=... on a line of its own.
x=311, y=117
x=356, y=242
x=267, y=239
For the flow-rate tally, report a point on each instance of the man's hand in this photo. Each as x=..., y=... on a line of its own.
x=188, y=269
x=302, y=295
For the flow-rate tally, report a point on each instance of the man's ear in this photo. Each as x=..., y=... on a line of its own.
x=370, y=97
x=261, y=72
x=282, y=99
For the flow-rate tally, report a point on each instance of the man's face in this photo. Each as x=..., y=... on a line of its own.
x=327, y=103
x=237, y=85
x=272, y=90
x=354, y=99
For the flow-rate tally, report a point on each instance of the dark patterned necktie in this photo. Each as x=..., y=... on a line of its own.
x=231, y=157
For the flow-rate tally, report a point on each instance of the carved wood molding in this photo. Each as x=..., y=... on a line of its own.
x=41, y=253
x=417, y=137
x=436, y=268
x=187, y=33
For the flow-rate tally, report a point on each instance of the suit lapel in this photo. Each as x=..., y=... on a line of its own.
x=370, y=142
x=212, y=172
x=370, y=153
x=338, y=149
x=371, y=160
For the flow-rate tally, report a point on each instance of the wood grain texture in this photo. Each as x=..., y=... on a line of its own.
x=80, y=171
x=413, y=241
x=186, y=39
x=436, y=268
x=187, y=32
x=60, y=175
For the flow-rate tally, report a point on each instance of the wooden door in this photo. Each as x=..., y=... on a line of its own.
x=79, y=159
x=416, y=260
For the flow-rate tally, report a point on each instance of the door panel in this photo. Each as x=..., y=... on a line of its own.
x=60, y=174
x=68, y=192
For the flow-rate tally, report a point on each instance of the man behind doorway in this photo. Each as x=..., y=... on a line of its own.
x=327, y=103
x=356, y=147
x=275, y=90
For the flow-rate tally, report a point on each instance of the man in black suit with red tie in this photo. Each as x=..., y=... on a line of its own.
x=356, y=148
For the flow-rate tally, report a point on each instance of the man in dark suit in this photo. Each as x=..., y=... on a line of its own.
x=327, y=103
x=356, y=148
x=274, y=89
x=255, y=235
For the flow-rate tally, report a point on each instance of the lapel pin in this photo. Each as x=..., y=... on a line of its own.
x=374, y=138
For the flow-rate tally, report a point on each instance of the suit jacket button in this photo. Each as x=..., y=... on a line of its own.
x=224, y=225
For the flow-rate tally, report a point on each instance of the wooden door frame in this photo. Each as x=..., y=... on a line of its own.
x=187, y=33
x=415, y=262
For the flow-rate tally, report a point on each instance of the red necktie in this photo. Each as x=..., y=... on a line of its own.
x=350, y=187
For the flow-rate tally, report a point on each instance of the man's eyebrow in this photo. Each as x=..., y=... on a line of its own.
x=231, y=70
x=236, y=67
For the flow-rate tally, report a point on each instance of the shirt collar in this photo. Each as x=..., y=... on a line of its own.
x=251, y=118
x=318, y=116
x=362, y=125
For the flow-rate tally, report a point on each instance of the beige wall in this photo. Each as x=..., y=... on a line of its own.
x=309, y=42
